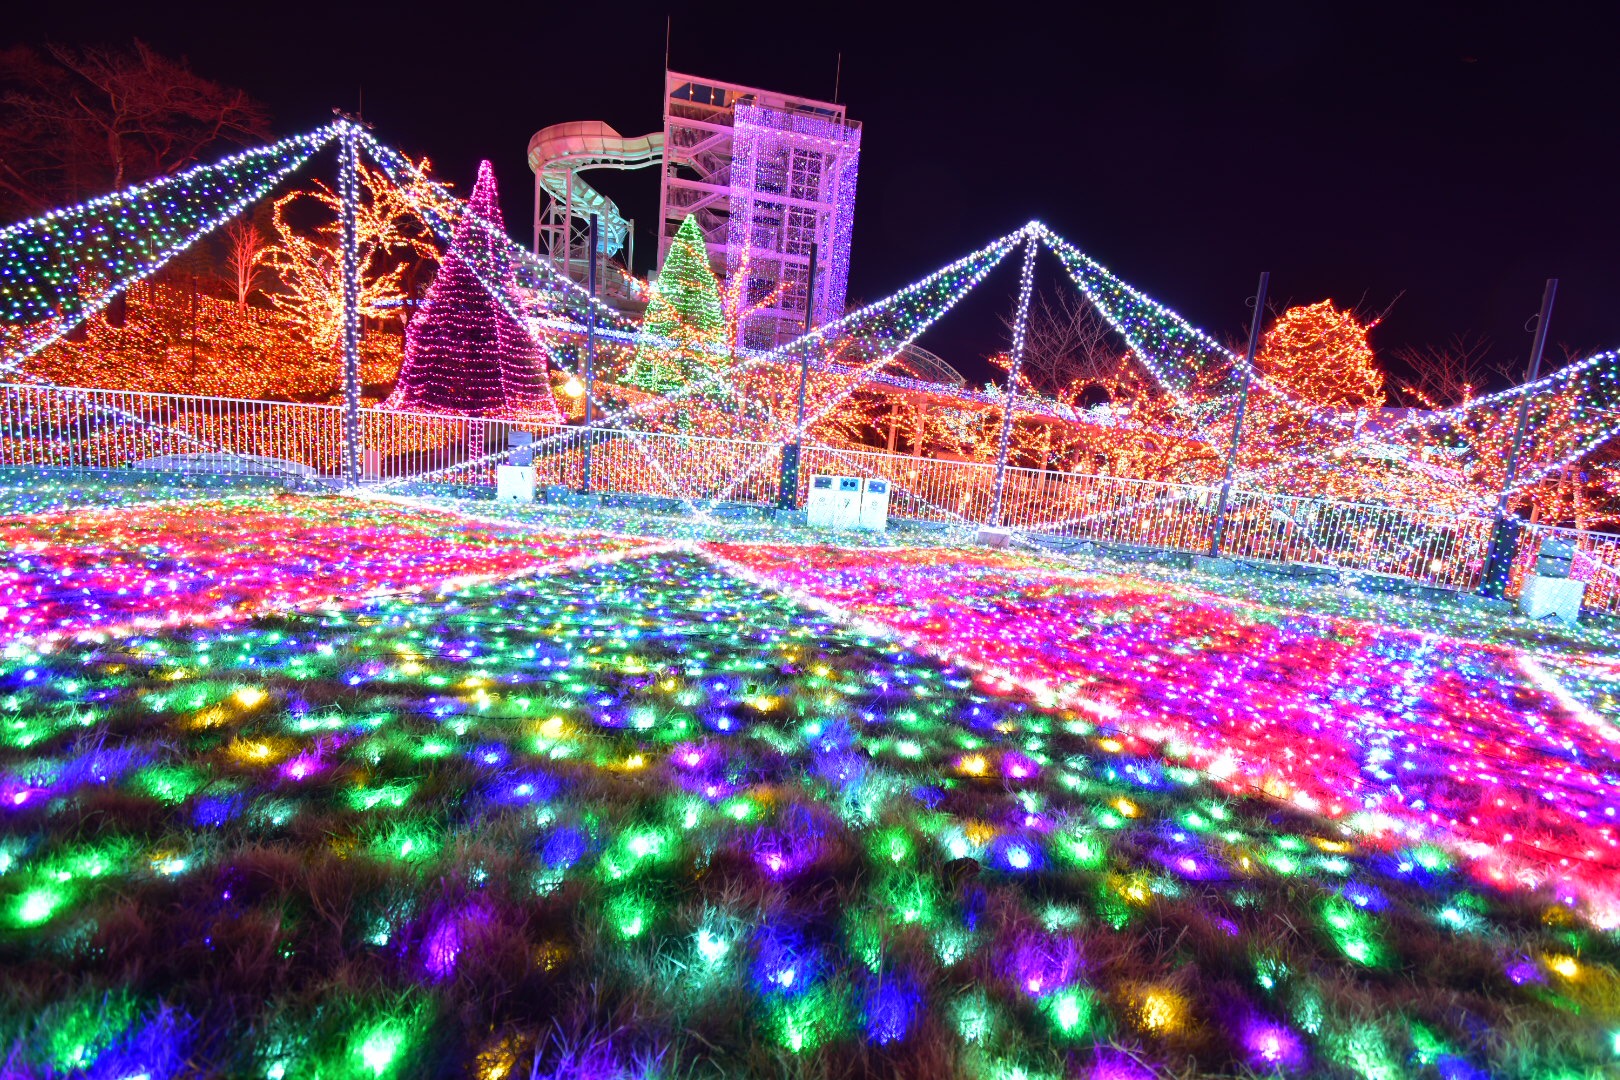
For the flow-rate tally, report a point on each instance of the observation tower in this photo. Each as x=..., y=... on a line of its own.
x=769, y=177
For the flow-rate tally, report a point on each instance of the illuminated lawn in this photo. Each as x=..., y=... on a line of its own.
x=644, y=818
x=70, y=571
x=1402, y=732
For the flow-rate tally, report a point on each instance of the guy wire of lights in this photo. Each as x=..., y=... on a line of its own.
x=858, y=377
x=46, y=252
x=912, y=327
x=398, y=162
x=959, y=287
x=40, y=258
x=1603, y=371
x=1087, y=275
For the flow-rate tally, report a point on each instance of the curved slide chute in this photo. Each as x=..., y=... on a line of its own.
x=557, y=154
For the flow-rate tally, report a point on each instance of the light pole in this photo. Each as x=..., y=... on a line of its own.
x=787, y=496
x=1026, y=288
x=590, y=359
x=349, y=194
x=1504, y=542
x=1242, y=407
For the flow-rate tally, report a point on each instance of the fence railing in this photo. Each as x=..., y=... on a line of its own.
x=105, y=429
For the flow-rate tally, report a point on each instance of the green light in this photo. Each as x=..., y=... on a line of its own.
x=807, y=1021
x=630, y=915
x=1071, y=1012
x=974, y=1017
x=379, y=1046
x=39, y=905
x=407, y=843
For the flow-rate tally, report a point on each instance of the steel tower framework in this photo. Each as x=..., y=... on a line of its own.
x=771, y=179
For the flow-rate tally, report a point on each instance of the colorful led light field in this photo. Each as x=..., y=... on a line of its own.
x=70, y=571
x=1400, y=733
x=643, y=818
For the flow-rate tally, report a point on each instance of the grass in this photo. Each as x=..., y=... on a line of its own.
x=648, y=819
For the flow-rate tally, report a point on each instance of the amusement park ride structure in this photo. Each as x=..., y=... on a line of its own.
x=769, y=177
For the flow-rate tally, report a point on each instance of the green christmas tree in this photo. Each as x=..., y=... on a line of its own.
x=685, y=323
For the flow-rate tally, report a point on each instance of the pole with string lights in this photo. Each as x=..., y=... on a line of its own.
x=349, y=193
x=1237, y=418
x=590, y=358
x=787, y=497
x=1026, y=287
x=1504, y=543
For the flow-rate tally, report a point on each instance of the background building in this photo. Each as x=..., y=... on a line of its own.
x=769, y=177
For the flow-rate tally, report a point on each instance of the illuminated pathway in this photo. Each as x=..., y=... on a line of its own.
x=642, y=811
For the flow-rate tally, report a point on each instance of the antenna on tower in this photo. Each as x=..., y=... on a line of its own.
x=669, y=26
x=838, y=73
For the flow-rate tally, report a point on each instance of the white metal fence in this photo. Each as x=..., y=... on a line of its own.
x=106, y=429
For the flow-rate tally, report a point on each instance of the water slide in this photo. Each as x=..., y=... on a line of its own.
x=559, y=152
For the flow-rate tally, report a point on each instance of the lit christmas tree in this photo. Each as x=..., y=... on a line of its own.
x=464, y=353
x=685, y=308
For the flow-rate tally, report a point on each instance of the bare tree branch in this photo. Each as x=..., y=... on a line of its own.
x=75, y=122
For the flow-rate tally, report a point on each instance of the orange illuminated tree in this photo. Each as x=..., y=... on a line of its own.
x=307, y=267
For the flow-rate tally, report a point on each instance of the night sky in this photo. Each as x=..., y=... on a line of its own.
x=1448, y=157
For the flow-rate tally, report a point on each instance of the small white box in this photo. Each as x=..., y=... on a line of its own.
x=819, y=500
x=874, y=504
x=989, y=536
x=1552, y=598
x=834, y=502
x=514, y=483
x=847, y=508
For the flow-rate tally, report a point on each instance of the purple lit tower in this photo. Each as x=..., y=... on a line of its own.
x=792, y=186
x=769, y=177
x=464, y=352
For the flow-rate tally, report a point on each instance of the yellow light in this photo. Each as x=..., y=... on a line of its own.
x=248, y=696
x=1564, y=965
x=573, y=387
x=251, y=752
x=974, y=765
x=1162, y=1012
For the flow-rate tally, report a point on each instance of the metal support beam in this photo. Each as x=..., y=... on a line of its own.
x=1026, y=287
x=787, y=496
x=349, y=193
x=590, y=357
x=1503, y=547
x=1242, y=408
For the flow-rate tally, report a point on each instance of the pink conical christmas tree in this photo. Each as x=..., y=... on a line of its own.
x=464, y=353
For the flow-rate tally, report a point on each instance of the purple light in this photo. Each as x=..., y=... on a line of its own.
x=1016, y=766
x=448, y=939
x=1040, y=965
x=1272, y=1046
x=782, y=855
x=441, y=948
x=1118, y=1065
x=301, y=767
